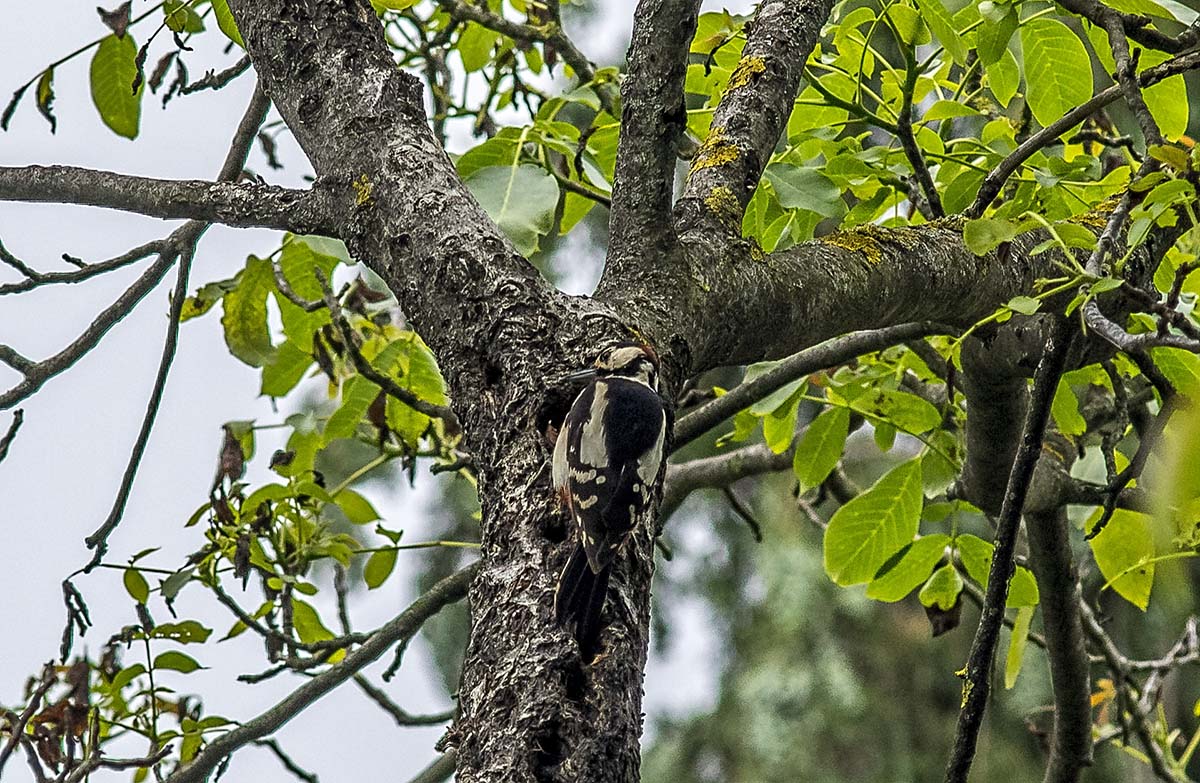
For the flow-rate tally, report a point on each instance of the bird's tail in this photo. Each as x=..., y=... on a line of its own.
x=579, y=599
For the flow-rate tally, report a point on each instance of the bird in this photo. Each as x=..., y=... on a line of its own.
x=606, y=461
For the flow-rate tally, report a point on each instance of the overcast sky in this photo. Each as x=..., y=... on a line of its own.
x=63, y=470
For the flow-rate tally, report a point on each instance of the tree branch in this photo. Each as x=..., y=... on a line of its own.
x=1135, y=26
x=185, y=238
x=34, y=279
x=820, y=357
x=1058, y=585
x=995, y=179
x=752, y=113
x=241, y=204
x=977, y=683
x=720, y=470
x=399, y=630
x=653, y=116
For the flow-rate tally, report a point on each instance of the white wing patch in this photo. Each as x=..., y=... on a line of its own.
x=592, y=450
x=558, y=466
x=648, y=463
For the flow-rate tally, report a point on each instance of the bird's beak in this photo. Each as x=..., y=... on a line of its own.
x=579, y=376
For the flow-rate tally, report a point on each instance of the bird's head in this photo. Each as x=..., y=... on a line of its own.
x=634, y=361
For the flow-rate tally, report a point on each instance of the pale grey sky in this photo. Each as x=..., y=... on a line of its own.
x=63, y=470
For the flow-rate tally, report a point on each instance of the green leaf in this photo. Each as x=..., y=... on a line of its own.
x=942, y=25
x=1123, y=551
x=226, y=23
x=905, y=411
x=171, y=586
x=284, y=370
x=942, y=110
x=909, y=570
x=976, y=556
x=1016, y=645
x=1025, y=305
x=356, y=507
x=992, y=37
x=45, y=98
x=779, y=426
x=379, y=567
x=805, y=188
x=475, y=46
x=520, y=199
x=1065, y=409
x=864, y=533
x=308, y=623
x=244, y=315
x=180, y=17
x=984, y=235
x=177, y=662
x=298, y=258
x=818, y=452
x=184, y=632
x=1058, y=69
x=1004, y=77
x=942, y=589
x=114, y=68
x=1182, y=369
x=136, y=586
x=575, y=208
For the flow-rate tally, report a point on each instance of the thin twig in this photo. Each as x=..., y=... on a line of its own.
x=215, y=81
x=17, y=730
x=364, y=368
x=995, y=179
x=185, y=238
x=17, y=420
x=744, y=512
x=34, y=279
x=449, y=590
x=398, y=713
x=288, y=763
x=823, y=356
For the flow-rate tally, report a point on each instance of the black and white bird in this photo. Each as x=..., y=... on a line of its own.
x=606, y=460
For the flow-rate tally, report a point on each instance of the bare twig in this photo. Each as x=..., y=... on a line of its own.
x=744, y=512
x=185, y=238
x=288, y=763
x=398, y=713
x=9, y=436
x=215, y=81
x=398, y=630
x=17, y=730
x=34, y=279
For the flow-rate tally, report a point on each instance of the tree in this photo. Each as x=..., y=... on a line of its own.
x=921, y=206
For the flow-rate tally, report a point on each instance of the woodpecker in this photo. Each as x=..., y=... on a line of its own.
x=606, y=460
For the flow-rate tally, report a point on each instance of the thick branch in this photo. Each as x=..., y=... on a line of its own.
x=1058, y=584
x=398, y=631
x=751, y=115
x=977, y=683
x=653, y=116
x=242, y=204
